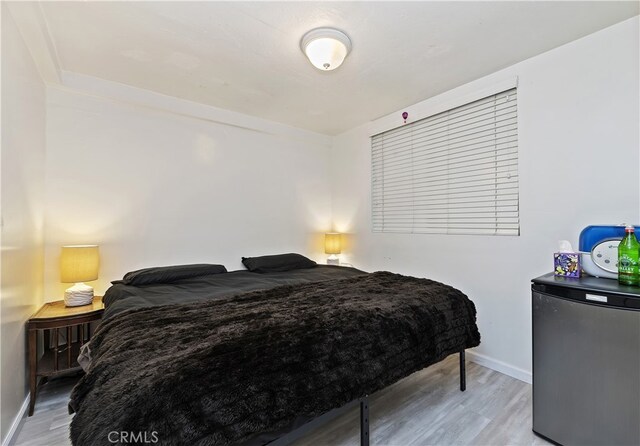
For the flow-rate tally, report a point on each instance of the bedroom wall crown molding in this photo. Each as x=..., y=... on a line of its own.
x=33, y=27
x=114, y=91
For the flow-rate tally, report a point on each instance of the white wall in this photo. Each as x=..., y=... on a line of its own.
x=154, y=185
x=579, y=155
x=22, y=192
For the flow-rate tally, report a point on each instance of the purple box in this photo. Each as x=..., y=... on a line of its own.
x=566, y=264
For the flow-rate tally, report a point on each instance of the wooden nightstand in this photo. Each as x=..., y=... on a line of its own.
x=58, y=359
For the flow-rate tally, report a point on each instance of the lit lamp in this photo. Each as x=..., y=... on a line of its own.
x=332, y=246
x=79, y=264
x=325, y=48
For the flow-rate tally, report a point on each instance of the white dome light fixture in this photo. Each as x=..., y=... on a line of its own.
x=326, y=48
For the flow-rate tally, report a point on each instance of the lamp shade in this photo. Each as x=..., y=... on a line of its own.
x=79, y=263
x=332, y=243
x=326, y=48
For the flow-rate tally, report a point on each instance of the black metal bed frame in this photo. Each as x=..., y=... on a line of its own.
x=364, y=414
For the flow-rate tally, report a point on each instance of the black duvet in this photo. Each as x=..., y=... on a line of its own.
x=223, y=371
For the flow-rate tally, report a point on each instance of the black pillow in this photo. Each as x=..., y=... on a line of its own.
x=277, y=263
x=168, y=274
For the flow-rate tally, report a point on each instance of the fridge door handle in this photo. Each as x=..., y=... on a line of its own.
x=596, y=298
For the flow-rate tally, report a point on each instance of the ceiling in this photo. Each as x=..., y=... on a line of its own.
x=245, y=56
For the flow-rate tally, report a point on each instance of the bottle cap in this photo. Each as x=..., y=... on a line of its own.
x=628, y=228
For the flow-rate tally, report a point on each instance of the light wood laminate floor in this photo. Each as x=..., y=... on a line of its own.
x=426, y=408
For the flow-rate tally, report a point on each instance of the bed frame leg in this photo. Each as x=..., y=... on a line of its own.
x=463, y=372
x=364, y=421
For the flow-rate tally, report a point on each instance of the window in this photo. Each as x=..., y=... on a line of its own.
x=455, y=172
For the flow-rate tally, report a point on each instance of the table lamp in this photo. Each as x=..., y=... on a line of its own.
x=78, y=264
x=332, y=247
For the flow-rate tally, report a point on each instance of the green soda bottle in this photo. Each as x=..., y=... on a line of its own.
x=628, y=258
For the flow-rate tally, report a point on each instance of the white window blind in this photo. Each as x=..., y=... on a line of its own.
x=451, y=173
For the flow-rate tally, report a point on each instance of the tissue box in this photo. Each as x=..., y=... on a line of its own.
x=566, y=264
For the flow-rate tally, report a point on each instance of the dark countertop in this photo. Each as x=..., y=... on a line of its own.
x=588, y=283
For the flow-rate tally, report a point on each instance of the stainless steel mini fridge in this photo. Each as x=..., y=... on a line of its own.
x=586, y=361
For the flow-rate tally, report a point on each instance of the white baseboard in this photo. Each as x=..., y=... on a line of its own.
x=500, y=366
x=6, y=441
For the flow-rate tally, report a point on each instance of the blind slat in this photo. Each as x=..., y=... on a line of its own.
x=452, y=173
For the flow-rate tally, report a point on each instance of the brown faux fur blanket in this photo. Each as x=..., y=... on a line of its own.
x=223, y=371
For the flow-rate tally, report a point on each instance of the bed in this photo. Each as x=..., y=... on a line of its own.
x=248, y=358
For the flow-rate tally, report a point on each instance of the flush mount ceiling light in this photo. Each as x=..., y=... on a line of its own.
x=326, y=48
